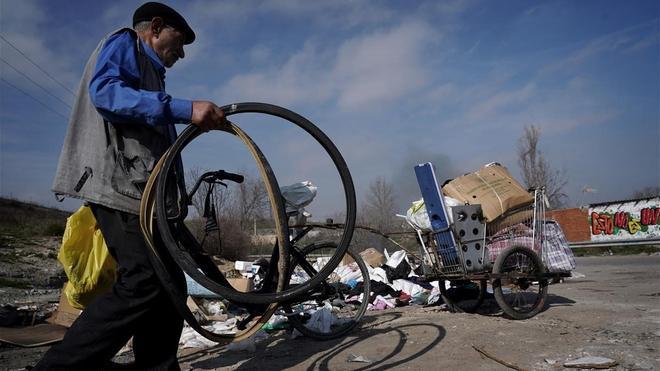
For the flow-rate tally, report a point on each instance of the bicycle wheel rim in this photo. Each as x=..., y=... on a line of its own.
x=263, y=298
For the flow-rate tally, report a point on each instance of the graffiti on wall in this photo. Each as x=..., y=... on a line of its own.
x=626, y=220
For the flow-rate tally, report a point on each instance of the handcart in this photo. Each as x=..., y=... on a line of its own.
x=465, y=255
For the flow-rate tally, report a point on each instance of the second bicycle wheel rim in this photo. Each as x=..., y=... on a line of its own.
x=251, y=107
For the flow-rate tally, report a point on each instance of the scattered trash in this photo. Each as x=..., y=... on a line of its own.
x=358, y=358
x=591, y=362
x=191, y=339
x=381, y=303
x=575, y=275
x=372, y=257
x=276, y=322
x=322, y=319
x=550, y=361
x=249, y=344
x=434, y=295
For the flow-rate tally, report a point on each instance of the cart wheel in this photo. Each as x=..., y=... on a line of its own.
x=463, y=296
x=521, y=290
x=329, y=291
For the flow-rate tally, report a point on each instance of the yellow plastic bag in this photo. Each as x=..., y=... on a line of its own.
x=86, y=259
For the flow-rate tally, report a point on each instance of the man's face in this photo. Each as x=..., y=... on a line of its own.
x=169, y=45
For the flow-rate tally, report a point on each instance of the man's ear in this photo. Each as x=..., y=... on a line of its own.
x=157, y=25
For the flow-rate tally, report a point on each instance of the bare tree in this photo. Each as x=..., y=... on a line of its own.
x=380, y=207
x=234, y=209
x=536, y=170
x=647, y=192
x=252, y=201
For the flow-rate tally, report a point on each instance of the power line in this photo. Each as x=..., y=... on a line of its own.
x=36, y=83
x=36, y=65
x=31, y=96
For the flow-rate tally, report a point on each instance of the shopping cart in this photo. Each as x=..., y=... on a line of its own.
x=465, y=253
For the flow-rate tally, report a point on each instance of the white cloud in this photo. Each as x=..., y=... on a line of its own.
x=501, y=101
x=627, y=40
x=339, y=14
x=361, y=73
x=380, y=67
x=299, y=79
x=22, y=25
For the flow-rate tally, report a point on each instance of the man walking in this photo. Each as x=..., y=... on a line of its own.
x=121, y=124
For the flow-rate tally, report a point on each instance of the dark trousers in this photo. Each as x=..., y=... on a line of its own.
x=136, y=306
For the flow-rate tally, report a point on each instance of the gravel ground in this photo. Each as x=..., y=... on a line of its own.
x=611, y=312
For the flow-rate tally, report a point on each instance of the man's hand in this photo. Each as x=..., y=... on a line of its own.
x=207, y=116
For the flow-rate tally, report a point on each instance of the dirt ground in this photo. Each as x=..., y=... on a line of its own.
x=611, y=312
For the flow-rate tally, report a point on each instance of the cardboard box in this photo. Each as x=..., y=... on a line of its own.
x=373, y=257
x=492, y=187
x=346, y=260
x=242, y=284
x=65, y=314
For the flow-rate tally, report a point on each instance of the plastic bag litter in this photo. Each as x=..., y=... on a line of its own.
x=357, y=358
x=213, y=307
x=378, y=274
x=419, y=218
x=408, y=287
x=197, y=290
x=381, y=303
x=249, y=344
x=434, y=296
x=298, y=276
x=298, y=195
x=322, y=319
x=86, y=260
x=349, y=272
x=191, y=339
x=395, y=259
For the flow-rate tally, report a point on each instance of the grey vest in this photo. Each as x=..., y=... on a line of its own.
x=109, y=163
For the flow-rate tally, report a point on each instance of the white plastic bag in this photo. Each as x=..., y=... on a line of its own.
x=298, y=195
x=419, y=218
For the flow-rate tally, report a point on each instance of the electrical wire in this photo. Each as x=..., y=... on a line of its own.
x=36, y=65
x=31, y=96
x=36, y=83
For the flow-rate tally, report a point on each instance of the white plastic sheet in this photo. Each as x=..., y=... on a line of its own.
x=322, y=319
x=408, y=287
x=419, y=218
x=378, y=274
x=298, y=195
x=191, y=339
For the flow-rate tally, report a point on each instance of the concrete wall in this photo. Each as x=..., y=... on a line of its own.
x=627, y=220
x=611, y=222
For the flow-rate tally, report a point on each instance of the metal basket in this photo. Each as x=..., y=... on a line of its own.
x=523, y=226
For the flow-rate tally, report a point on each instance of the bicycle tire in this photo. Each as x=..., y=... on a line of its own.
x=524, y=267
x=269, y=297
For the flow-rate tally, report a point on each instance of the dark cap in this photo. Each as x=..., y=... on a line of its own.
x=147, y=11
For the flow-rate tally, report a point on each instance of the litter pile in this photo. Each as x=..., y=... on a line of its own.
x=393, y=283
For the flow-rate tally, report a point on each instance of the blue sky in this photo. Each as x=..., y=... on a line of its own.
x=393, y=83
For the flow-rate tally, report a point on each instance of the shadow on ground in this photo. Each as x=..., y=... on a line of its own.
x=280, y=352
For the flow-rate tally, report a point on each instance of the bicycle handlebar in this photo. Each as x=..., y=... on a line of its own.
x=215, y=177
